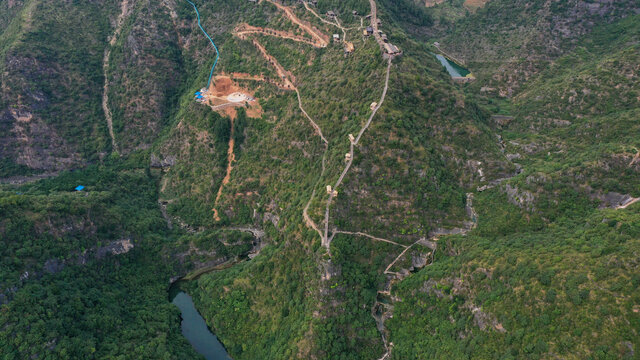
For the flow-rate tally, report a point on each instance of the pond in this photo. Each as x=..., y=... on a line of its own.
x=195, y=329
x=453, y=69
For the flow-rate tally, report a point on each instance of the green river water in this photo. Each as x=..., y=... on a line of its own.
x=195, y=329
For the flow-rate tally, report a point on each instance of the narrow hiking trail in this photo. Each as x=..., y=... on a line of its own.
x=397, y=276
x=124, y=11
x=313, y=123
x=305, y=212
x=636, y=158
x=287, y=78
x=406, y=248
x=370, y=237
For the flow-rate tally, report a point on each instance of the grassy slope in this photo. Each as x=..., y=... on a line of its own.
x=586, y=140
x=280, y=160
x=421, y=144
x=566, y=290
x=551, y=289
x=559, y=277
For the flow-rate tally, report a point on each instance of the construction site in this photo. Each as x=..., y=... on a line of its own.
x=225, y=95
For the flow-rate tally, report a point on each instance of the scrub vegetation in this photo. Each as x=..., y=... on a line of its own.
x=490, y=219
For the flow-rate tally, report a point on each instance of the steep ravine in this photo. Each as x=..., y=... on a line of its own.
x=124, y=11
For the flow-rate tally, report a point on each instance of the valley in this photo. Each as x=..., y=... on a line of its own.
x=330, y=179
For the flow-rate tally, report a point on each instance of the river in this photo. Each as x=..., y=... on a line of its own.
x=195, y=329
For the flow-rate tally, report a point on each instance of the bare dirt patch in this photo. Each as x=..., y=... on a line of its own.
x=430, y=3
x=225, y=95
x=474, y=5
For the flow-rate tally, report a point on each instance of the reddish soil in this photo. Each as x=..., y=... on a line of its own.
x=307, y=27
x=245, y=29
x=231, y=158
x=287, y=77
x=223, y=86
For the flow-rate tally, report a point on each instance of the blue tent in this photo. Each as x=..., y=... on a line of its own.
x=199, y=97
x=198, y=93
x=79, y=188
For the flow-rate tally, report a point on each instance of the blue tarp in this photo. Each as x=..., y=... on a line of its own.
x=199, y=97
x=198, y=93
x=79, y=188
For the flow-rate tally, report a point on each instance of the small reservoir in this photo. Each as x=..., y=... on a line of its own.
x=195, y=329
x=453, y=69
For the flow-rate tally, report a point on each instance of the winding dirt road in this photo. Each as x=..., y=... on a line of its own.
x=288, y=83
x=315, y=33
x=245, y=29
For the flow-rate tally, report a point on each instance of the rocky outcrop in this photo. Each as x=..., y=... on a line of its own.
x=522, y=198
x=612, y=200
x=162, y=161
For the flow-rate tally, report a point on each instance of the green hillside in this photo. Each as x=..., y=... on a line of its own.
x=323, y=199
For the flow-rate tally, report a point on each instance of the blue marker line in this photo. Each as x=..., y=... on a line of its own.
x=212, y=43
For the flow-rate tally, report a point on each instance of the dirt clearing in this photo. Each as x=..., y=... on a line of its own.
x=225, y=95
x=474, y=5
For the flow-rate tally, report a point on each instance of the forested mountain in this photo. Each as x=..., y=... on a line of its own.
x=334, y=193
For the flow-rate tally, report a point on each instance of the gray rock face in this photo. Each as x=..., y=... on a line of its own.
x=418, y=261
x=523, y=199
x=611, y=200
x=330, y=270
x=515, y=156
x=274, y=218
x=441, y=231
x=430, y=244
x=167, y=161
